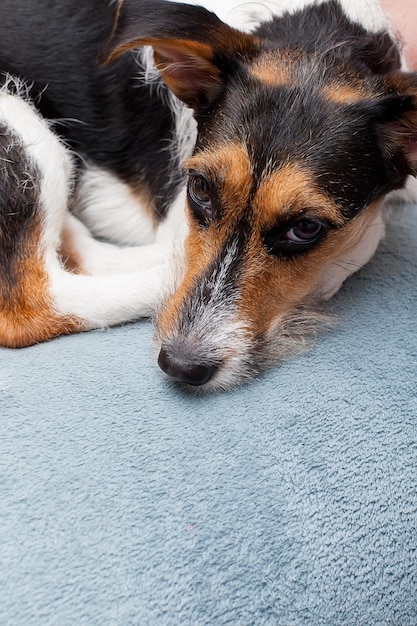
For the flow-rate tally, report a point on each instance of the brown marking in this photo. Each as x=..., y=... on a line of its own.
x=270, y=287
x=290, y=191
x=187, y=54
x=272, y=70
x=134, y=29
x=275, y=288
x=340, y=93
x=186, y=67
x=27, y=314
x=230, y=167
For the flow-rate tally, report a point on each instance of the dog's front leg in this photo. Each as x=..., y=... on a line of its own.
x=83, y=254
x=112, y=284
x=105, y=300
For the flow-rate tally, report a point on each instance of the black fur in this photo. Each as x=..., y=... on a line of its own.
x=104, y=113
x=325, y=29
x=19, y=209
x=342, y=145
x=108, y=116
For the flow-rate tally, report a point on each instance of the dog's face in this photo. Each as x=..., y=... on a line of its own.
x=294, y=156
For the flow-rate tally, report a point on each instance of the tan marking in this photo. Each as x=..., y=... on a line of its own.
x=186, y=68
x=27, y=315
x=228, y=163
x=290, y=191
x=344, y=93
x=276, y=69
x=271, y=74
x=229, y=167
x=185, y=65
x=275, y=288
x=272, y=288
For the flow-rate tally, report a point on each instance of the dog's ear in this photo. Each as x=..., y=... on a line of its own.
x=193, y=49
x=378, y=51
x=396, y=116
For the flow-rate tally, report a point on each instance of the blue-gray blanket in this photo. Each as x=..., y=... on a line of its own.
x=289, y=502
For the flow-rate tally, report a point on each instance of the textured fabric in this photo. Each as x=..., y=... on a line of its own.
x=291, y=501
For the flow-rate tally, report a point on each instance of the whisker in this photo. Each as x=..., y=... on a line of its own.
x=345, y=265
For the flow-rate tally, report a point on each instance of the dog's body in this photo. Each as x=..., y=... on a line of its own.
x=300, y=131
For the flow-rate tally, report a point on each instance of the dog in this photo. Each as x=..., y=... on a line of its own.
x=156, y=160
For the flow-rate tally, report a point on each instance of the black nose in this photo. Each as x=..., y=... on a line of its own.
x=184, y=371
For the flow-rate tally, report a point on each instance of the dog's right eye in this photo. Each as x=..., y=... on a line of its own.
x=296, y=238
x=201, y=197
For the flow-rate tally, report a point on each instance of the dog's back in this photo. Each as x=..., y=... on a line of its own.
x=105, y=114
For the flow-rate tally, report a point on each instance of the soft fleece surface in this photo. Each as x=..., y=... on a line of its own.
x=291, y=501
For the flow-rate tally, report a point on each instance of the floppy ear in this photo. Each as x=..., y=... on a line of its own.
x=378, y=51
x=397, y=121
x=193, y=48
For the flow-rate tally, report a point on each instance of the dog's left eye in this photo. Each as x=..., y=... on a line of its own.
x=201, y=196
x=304, y=231
x=301, y=237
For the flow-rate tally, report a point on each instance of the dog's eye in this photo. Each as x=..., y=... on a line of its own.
x=304, y=231
x=200, y=190
x=201, y=196
x=301, y=237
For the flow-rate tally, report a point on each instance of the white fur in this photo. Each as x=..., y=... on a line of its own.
x=247, y=14
x=96, y=300
x=127, y=282
x=110, y=210
x=97, y=257
x=338, y=270
x=100, y=301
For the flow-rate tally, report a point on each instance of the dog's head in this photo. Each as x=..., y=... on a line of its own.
x=304, y=126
